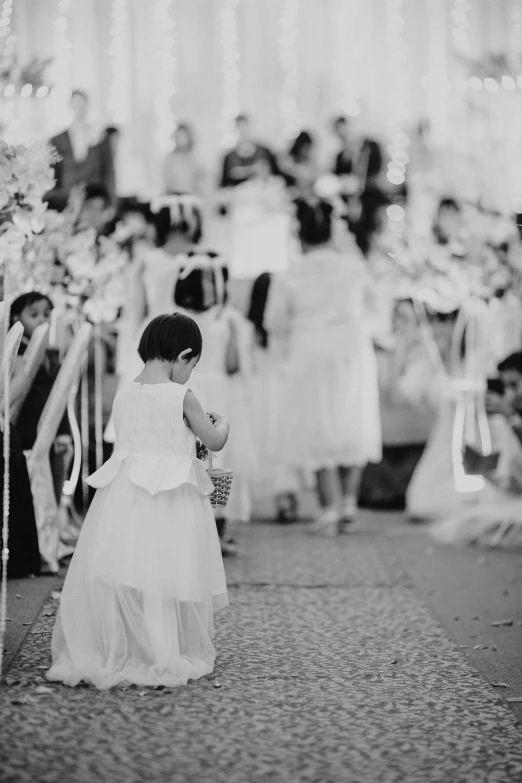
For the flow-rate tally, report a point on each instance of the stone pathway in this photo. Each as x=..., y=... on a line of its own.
x=330, y=671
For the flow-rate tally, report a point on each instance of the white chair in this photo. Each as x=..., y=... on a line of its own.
x=45, y=505
x=33, y=358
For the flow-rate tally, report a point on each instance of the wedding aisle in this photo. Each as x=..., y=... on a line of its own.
x=332, y=668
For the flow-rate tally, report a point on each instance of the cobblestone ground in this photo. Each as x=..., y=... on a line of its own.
x=330, y=671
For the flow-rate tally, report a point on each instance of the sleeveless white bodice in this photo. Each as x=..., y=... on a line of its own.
x=151, y=430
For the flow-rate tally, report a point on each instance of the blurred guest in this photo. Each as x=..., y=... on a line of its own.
x=300, y=166
x=359, y=164
x=331, y=419
x=81, y=152
x=110, y=144
x=96, y=210
x=242, y=162
x=448, y=224
x=182, y=172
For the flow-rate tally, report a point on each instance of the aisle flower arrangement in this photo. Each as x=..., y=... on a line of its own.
x=26, y=174
x=444, y=279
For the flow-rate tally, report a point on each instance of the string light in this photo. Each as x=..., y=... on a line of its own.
x=351, y=42
x=119, y=90
x=399, y=98
x=230, y=68
x=461, y=26
x=9, y=40
x=516, y=32
x=289, y=59
x=63, y=49
x=164, y=33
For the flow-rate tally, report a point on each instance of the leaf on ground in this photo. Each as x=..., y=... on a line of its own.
x=42, y=689
x=18, y=595
x=498, y=623
x=499, y=685
x=55, y=595
x=480, y=647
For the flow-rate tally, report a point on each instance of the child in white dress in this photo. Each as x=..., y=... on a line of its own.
x=147, y=574
x=200, y=292
x=331, y=424
x=273, y=482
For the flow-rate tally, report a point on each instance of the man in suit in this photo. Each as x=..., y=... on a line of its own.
x=359, y=164
x=247, y=159
x=84, y=158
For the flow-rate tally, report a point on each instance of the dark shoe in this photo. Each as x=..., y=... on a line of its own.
x=286, y=509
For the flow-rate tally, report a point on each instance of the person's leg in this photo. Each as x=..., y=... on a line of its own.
x=329, y=495
x=328, y=488
x=350, y=478
x=227, y=543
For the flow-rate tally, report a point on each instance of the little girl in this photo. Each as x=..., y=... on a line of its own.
x=200, y=293
x=32, y=310
x=147, y=575
x=273, y=481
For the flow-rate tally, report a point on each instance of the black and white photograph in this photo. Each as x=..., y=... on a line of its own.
x=260, y=391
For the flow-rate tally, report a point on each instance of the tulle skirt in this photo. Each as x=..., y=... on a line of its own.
x=267, y=387
x=142, y=588
x=331, y=411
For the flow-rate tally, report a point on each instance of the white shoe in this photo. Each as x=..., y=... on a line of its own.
x=327, y=524
x=347, y=514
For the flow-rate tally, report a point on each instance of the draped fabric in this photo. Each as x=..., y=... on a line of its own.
x=341, y=48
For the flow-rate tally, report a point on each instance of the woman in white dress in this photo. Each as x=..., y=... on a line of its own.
x=331, y=419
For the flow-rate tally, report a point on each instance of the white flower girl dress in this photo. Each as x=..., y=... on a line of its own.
x=147, y=574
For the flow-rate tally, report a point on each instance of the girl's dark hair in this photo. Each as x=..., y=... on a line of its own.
x=167, y=336
x=315, y=222
x=26, y=300
x=300, y=143
x=256, y=311
x=189, y=293
x=189, y=224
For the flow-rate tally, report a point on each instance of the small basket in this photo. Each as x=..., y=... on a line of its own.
x=222, y=481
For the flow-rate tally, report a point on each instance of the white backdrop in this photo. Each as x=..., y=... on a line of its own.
x=333, y=55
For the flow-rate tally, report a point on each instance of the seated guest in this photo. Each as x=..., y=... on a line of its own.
x=496, y=518
x=242, y=162
x=32, y=310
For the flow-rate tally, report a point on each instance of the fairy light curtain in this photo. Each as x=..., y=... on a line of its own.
x=299, y=70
